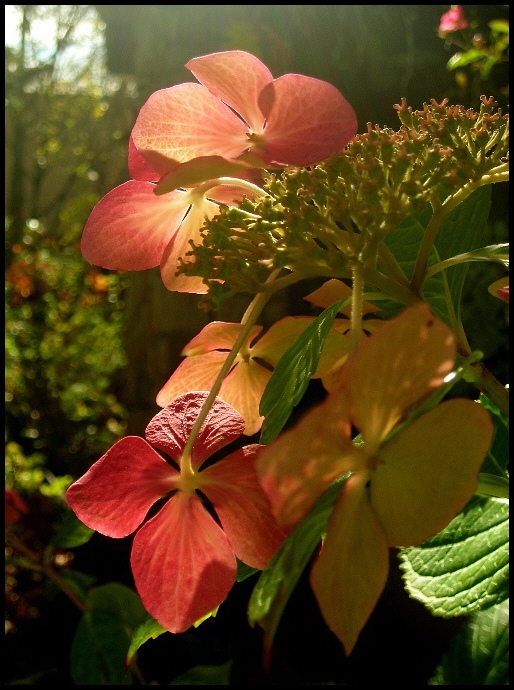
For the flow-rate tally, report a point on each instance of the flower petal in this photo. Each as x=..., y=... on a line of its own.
x=283, y=333
x=295, y=469
x=199, y=170
x=115, y=494
x=351, y=571
x=184, y=122
x=237, y=78
x=242, y=507
x=217, y=335
x=243, y=389
x=171, y=427
x=180, y=245
x=334, y=290
x=402, y=362
x=138, y=167
x=306, y=120
x=182, y=562
x=193, y=374
x=430, y=471
x=129, y=228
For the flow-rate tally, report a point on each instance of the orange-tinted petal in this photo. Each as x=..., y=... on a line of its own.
x=429, y=471
x=243, y=389
x=295, y=469
x=403, y=361
x=334, y=290
x=193, y=374
x=242, y=506
x=283, y=333
x=217, y=335
x=183, y=563
x=180, y=245
x=351, y=571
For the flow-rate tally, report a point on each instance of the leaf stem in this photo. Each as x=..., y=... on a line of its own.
x=498, y=174
x=37, y=563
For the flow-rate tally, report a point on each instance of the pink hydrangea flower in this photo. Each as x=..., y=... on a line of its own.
x=240, y=113
x=194, y=146
x=183, y=558
x=453, y=20
x=133, y=229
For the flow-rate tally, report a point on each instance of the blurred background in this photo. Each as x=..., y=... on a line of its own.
x=87, y=349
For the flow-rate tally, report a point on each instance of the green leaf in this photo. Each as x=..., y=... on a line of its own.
x=464, y=569
x=278, y=580
x=479, y=654
x=99, y=649
x=291, y=376
x=463, y=59
x=404, y=243
x=150, y=629
x=205, y=675
x=462, y=231
x=498, y=455
x=76, y=580
x=71, y=533
x=244, y=571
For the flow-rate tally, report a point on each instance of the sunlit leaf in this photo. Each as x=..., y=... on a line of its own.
x=292, y=373
x=479, y=654
x=278, y=580
x=149, y=630
x=464, y=569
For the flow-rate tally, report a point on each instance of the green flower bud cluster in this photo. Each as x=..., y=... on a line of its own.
x=318, y=221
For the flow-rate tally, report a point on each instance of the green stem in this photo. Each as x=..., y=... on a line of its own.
x=491, y=486
x=35, y=563
x=491, y=387
x=498, y=174
x=389, y=265
x=250, y=317
x=463, y=258
x=391, y=288
x=357, y=299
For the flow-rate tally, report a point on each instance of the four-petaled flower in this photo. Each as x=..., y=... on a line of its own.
x=244, y=386
x=404, y=488
x=194, y=146
x=183, y=561
x=453, y=20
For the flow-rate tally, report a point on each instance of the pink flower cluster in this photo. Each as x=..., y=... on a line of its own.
x=453, y=20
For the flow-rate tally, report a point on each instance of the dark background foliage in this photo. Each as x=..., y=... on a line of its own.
x=87, y=350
